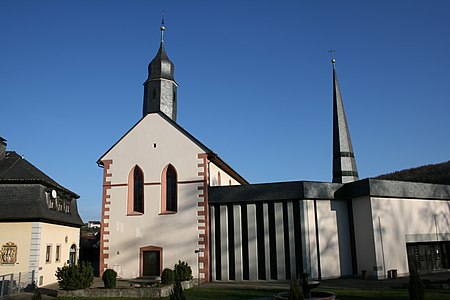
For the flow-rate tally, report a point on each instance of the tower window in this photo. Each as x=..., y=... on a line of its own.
x=154, y=94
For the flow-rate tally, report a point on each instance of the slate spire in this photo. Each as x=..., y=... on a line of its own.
x=160, y=88
x=344, y=164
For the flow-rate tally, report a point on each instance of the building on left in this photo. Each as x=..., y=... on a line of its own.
x=39, y=221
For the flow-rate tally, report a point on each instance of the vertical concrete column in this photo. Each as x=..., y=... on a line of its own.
x=266, y=239
x=224, y=241
x=213, y=242
x=237, y=241
x=252, y=246
x=291, y=239
x=279, y=231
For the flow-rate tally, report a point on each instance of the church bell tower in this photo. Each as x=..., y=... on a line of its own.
x=160, y=88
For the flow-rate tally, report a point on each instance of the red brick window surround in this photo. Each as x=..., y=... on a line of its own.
x=169, y=190
x=135, y=205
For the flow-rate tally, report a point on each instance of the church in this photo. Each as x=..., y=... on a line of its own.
x=168, y=197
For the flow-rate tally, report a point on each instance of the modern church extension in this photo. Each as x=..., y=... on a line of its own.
x=168, y=197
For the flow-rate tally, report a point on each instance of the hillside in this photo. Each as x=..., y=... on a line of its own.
x=437, y=173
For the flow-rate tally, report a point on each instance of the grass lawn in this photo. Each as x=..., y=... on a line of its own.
x=343, y=294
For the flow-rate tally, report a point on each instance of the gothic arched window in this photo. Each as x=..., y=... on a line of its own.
x=138, y=199
x=136, y=191
x=169, y=192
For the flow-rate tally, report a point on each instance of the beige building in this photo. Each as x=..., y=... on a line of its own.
x=39, y=221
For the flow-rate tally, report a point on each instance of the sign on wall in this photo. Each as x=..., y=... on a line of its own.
x=8, y=254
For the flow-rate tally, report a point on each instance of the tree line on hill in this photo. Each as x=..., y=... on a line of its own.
x=434, y=173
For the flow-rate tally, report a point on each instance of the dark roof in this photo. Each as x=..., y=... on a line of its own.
x=433, y=173
x=15, y=169
x=27, y=202
x=295, y=190
x=213, y=157
x=393, y=189
x=161, y=66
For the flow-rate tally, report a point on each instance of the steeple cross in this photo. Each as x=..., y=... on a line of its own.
x=162, y=25
x=333, y=61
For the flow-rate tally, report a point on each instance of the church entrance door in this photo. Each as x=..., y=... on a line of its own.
x=151, y=263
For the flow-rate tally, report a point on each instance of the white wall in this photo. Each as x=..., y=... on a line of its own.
x=364, y=232
x=176, y=233
x=406, y=220
x=334, y=238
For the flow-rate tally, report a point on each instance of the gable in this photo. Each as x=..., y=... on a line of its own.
x=156, y=134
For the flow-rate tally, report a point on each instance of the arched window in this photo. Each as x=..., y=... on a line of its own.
x=169, y=191
x=136, y=191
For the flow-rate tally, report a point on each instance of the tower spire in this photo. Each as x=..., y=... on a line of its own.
x=160, y=88
x=344, y=163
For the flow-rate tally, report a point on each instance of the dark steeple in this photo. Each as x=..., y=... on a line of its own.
x=344, y=164
x=160, y=88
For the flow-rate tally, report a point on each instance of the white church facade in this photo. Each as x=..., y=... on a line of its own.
x=168, y=197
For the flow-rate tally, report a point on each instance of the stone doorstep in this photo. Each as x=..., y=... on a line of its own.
x=150, y=292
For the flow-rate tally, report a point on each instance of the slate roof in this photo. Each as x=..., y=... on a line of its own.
x=23, y=196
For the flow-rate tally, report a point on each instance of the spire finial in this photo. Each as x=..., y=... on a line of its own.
x=162, y=26
x=333, y=61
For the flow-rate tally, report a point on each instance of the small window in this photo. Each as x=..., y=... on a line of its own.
x=48, y=254
x=58, y=253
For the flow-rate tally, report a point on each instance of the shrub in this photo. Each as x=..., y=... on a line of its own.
x=183, y=271
x=295, y=292
x=167, y=276
x=109, y=278
x=416, y=288
x=177, y=292
x=75, y=277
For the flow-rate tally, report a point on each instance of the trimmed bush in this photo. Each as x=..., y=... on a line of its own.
x=75, y=277
x=416, y=288
x=109, y=278
x=167, y=276
x=183, y=271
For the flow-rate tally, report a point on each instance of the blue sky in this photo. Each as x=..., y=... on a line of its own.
x=255, y=83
